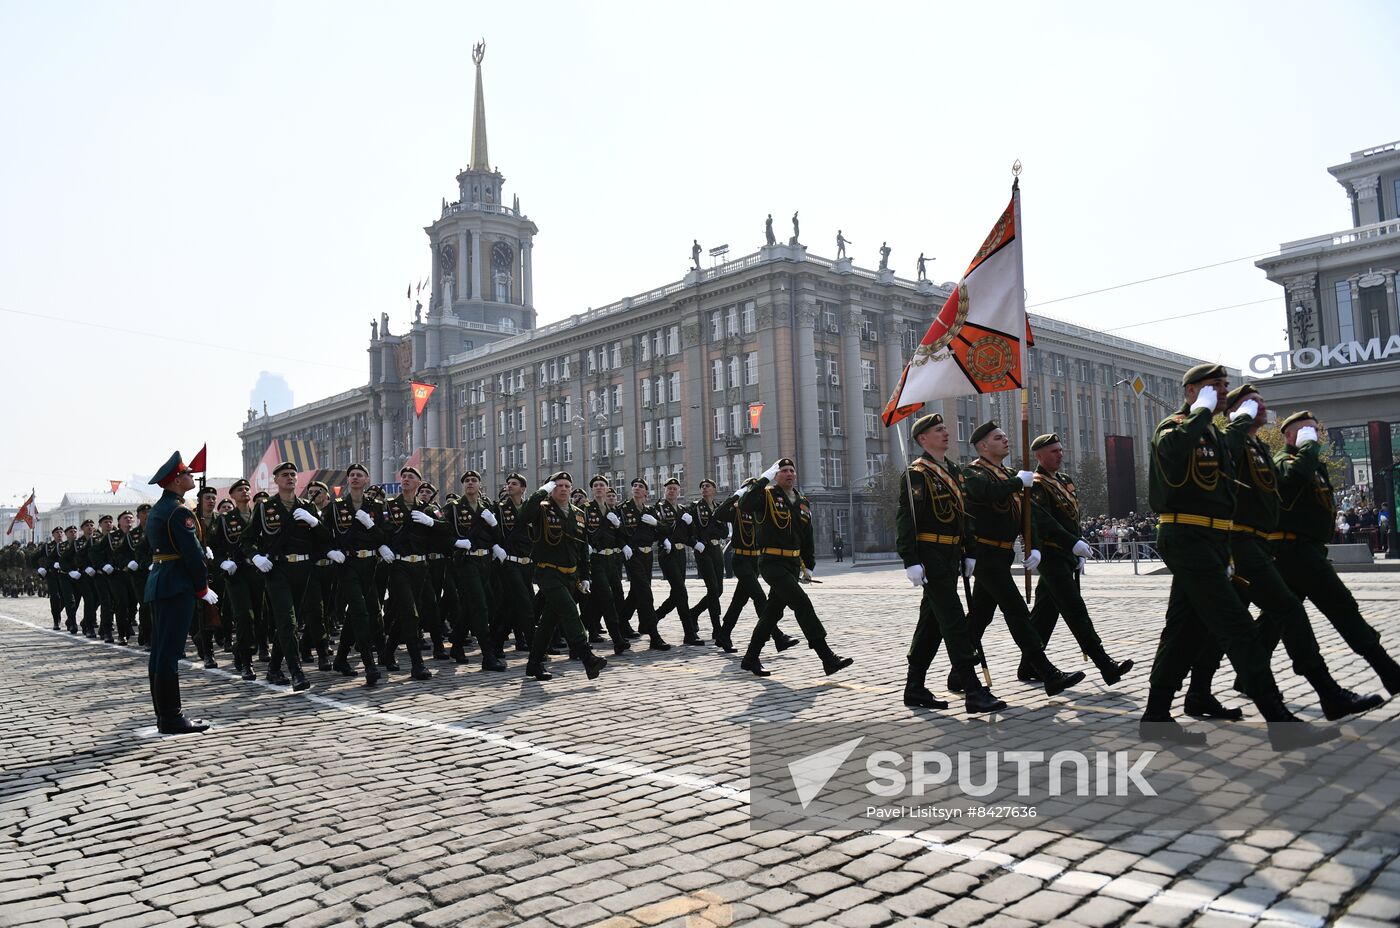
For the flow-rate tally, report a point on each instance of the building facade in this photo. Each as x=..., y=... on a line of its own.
x=778, y=352
x=1340, y=308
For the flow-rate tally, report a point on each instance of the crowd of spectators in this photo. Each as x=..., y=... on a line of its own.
x=1113, y=538
x=1363, y=523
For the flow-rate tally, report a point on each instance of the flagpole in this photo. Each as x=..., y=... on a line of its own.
x=1025, y=383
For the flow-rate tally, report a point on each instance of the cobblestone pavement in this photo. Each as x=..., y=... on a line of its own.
x=484, y=799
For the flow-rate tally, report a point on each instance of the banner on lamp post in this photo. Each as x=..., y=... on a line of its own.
x=421, y=392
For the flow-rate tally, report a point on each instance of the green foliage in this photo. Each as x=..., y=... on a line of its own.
x=1091, y=485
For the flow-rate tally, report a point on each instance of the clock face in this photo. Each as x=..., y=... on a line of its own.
x=501, y=256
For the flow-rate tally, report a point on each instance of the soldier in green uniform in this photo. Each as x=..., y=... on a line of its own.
x=748, y=588
x=100, y=560
x=126, y=570
x=1281, y=612
x=784, y=519
x=640, y=538
x=87, y=585
x=51, y=569
x=1307, y=520
x=1191, y=481
x=708, y=537
x=316, y=610
x=142, y=545
x=355, y=522
x=176, y=581
x=1064, y=551
x=473, y=529
x=205, y=630
x=602, y=525
x=282, y=542
x=675, y=533
x=225, y=540
x=561, y=563
x=992, y=498
x=937, y=547
x=434, y=612
x=516, y=573
x=413, y=529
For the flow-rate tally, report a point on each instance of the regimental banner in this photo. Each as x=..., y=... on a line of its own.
x=421, y=393
x=300, y=453
x=442, y=467
x=973, y=344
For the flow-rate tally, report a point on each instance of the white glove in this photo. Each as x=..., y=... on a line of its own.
x=915, y=574
x=1082, y=562
x=1306, y=434
x=627, y=552
x=1205, y=399
x=699, y=546
x=488, y=517
x=89, y=571
x=107, y=568
x=740, y=495
x=75, y=575
x=261, y=562
x=1248, y=409
x=132, y=565
x=1033, y=559
x=590, y=550
x=150, y=566
x=614, y=520
x=301, y=515
x=421, y=517
x=547, y=487
x=685, y=517
x=648, y=518
x=229, y=567
x=387, y=553
x=336, y=556
x=1081, y=549
x=1229, y=571
x=464, y=543
x=770, y=473
x=1027, y=477
x=585, y=587
x=55, y=566
x=43, y=571
x=210, y=597
x=498, y=552
x=209, y=554
x=364, y=518
x=969, y=565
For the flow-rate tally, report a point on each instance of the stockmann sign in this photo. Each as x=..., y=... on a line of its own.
x=1305, y=359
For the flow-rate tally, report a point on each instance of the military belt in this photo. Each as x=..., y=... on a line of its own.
x=365, y=552
x=165, y=558
x=436, y=557
x=519, y=560
x=1282, y=536
x=608, y=551
x=931, y=538
x=483, y=552
x=1003, y=545
x=746, y=552
x=1186, y=518
x=1251, y=530
x=782, y=552
x=562, y=570
x=324, y=562
x=295, y=558
x=411, y=558
x=646, y=550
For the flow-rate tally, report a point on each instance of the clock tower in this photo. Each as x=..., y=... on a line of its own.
x=482, y=254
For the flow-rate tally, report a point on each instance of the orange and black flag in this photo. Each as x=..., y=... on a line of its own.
x=421, y=392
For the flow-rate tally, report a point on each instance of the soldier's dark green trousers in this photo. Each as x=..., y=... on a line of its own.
x=240, y=612
x=102, y=585
x=710, y=565
x=87, y=590
x=1057, y=594
x=673, y=569
x=560, y=613
x=1281, y=614
x=406, y=580
x=993, y=588
x=785, y=592
x=1311, y=576
x=941, y=617
x=470, y=573
x=517, y=603
x=1202, y=604
x=639, y=596
x=606, y=599
x=357, y=589
x=747, y=589
x=286, y=586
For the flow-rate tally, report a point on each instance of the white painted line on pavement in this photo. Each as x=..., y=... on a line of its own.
x=1132, y=889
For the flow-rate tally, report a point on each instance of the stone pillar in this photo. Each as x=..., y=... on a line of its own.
x=1366, y=190
x=375, y=460
x=1304, y=328
x=527, y=270
x=476, y=276
x=386, y=442
x=434, y=352
x=463, y=289
x=852, y=393
x=437, y=405
x=1392, y=307
x=417, y=432
x=695, y=401
x=808, y=432
x=769, y=314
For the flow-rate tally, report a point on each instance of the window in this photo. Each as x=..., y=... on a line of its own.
x=593, y=360
x=836, y=418
x=647, y=476
x=660, y=433
x=874, y=465
x=675, y=396
x=521, y=458
x=833, y=370
x=568, y=447
x=828, y=311
x=1346, y=323
x=715, y=329
x=646, y=391
x=755, y=463
x=867, y=374
x=751, y=368
x=617, y=354
x=592, y=401
x=658, y=343
x=736, y=419
x=751, y=317
x=962, y=429
x=617, y=397
x=834, y=471
x=717, y=374
x=660, y=389
x=673, y=340
x=1059, y=365
x=617, y=441
x=676, y=430
x=731, y=320
x=544, y=411
x=734, y=372
x=722, y=471
x=593, y=444
x=646, y=437
x=871, y=426
x=645, y=348
x=719, y=421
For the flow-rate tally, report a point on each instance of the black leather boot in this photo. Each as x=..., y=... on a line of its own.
x=593, y=664
x=831, y=661
x=782, y=640
x=275, y=676
x=170, y=720
x=954, y=681
x=1026, y=673
x=1286, y=731
x=976, y=697
x=299, y=681
x=752, y=664
x=387, y=660
x=916, y=692
x=1200, y=705
x=371, y=671
x=1338, y=703
x=534, y=668
x=1056, y=680
x=1158, y=725
x=1112, y=671
x=415, y=655
x=323, y=657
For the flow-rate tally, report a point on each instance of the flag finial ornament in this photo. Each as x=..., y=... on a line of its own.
x=1016, y=168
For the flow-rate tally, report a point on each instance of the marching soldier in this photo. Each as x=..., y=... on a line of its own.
x=412, y=528
x=603, y=526
x=127, y=572
x=204, y=616
x=516, y=574
x=281, y=543
x=356, y=522
x=1065, y=550
x=709, y=535
x=937, y=547
x=640, y=533
x=676, y=532
x=784, y=519
x=1191, y=480
x=1281, y=613
x=100, y=560
x=561, y=562
x=226, y=541
x=473, y=532
x=744, y=560
x=142, y=544
x=51, y=569
x=992, y=495
x=434, y=603
x=177, y=579
x=1307, y=517
x=316, y=610
x=87, y=586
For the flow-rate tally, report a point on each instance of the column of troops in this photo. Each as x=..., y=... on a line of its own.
x=544, y=569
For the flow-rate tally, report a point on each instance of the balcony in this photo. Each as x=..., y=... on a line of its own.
x=1375, y=233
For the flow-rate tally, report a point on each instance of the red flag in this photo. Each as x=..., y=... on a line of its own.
x=197, y=462
x=421, y=392
x=25, y=515
x=408, y=293
x=755, y=411
x=116, y=484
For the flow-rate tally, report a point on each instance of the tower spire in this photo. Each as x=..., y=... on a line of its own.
x=480, y=162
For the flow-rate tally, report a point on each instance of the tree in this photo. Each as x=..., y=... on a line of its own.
x=1091, y=485
x=885, y=488
x=1272, y=436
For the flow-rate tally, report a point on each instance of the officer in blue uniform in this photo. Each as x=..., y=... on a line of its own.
x=177, y=578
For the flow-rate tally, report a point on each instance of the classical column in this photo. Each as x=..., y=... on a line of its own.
x=808, y=432
x=436, y=406
x=768, y=376
x=1392, y=308
x=1368, y=202
x=1304, y=328
x=852, y=393
x=417, y=433
x=696, y=405
x=463, y=289
x=527, y=270
x=386, y=443
x=475, y=275
x=376, y=440
x=434, y=341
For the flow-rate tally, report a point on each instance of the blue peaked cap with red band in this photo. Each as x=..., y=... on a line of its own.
x=168, y=471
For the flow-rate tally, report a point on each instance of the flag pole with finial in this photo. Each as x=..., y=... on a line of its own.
x=1025, y=381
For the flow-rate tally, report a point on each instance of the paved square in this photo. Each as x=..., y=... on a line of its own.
x=487, y=799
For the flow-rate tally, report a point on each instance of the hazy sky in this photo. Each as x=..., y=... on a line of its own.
x=252, y=180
